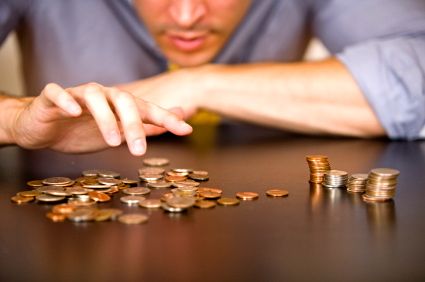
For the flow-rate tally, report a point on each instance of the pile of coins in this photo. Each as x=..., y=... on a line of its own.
x=378, y=186
x=335, y=178
x=381, y=184
x=357, y=183
x=78, y=199
x=318, y=165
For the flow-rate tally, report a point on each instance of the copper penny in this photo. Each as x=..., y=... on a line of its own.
x=247, y=195
x=277, y=193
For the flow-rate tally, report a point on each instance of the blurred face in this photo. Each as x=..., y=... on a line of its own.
x=191, y=32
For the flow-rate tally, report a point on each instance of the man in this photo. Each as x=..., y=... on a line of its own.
x=236, y=57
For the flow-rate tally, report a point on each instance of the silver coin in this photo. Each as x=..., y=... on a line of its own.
x=108, y=174
x=156, y=161
x=49, y=198
x=136, y=191
x=58, y=181
x=151, y=177
x=57, y=191
x=168, y=208
x=132, y=200
x=78, y=190
x=90, y=173
x=199, y=177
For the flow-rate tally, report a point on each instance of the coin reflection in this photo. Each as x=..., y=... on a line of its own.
x=381, y=217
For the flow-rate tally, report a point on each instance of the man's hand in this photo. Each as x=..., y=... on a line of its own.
x=90, y=117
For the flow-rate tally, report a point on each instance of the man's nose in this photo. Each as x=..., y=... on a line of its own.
x=186, y=13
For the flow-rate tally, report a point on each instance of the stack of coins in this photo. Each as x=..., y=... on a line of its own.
x=318, y=165
x=335, y=178
x=381, y=184
x=357, y=183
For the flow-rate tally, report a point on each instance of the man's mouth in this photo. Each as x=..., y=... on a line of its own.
x=187, y=42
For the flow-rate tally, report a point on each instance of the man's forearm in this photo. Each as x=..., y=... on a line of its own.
x=9, y=107
x=316, y=97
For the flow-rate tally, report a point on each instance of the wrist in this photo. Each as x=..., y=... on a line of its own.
x=10, y=108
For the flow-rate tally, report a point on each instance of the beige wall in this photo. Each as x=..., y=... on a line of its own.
x=11, y=79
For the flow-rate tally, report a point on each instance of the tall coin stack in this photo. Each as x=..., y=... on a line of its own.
x=357, y=183
x=381, y=185
x=335, y=178
x=318, y=165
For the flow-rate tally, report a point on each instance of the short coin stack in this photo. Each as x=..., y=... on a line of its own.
x=318, y=165
x=357, y=183
x=381, y=185
x=335, y=178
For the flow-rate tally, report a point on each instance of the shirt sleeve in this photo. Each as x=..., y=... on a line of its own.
x=382, y=43
x=11, y=12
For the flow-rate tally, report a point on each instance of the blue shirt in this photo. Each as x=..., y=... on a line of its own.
x=382, y=43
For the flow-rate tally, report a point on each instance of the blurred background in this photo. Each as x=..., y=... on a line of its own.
x=11, y=78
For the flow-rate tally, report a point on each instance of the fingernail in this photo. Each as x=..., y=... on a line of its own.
x=74, y=109
x=114, y=138
x=185, y=126
x=139, y=146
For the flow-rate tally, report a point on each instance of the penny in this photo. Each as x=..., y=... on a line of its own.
x=35, y=183
x=99, y=196
x=21, y=200
x=147, y=177
x=109, y=181
x=133, y=218
x=57, y=191
x=277, y=193
x=81, y=203
x=166, y=196
x=246, y=196
x=136, y=191
x=173, y=173
x=132, y=200
x=207, y=189
x=175, y=178
x=186, y=183
x=130, y=181
x=82, y=214
x=150, y=203
x=209, y=194
x=30, y=193
x=56, y=217
x=63, y=208
x=181, y=202
x=159, y=184
x=108, y=174
x=204, y=204
x=228, y=201
x=151, y=170
x=156, y=161
x=199, y=177
x=90, y=173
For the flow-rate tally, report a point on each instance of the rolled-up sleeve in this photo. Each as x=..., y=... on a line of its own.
x=383, y=46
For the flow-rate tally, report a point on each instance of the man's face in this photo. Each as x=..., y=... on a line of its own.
x=191, y=32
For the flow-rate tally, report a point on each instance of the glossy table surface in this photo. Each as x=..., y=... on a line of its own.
x=315, y=234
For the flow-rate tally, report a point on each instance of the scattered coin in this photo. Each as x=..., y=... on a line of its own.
x=132, y=200
x=58, y=181
x=159, y=184
x=99, y=196
x=133, y=218
x=109, y=181
x=49, y=198
x=151, y=170
x=108, y=174
x=228, y=201
x=56, y=217
x=30, y=193
x=136, y=191
x=205, y=204
x=91, y=173
x=21, y=200
x=35, y=183
x=181, y=202
x=277, y=193
x=150, y=203
x=172, y=209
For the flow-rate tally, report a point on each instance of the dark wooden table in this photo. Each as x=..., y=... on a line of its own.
x=316, y=234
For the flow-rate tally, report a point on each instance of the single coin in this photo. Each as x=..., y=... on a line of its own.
x=29, y=193
x=131, y=182
x=63, y=208
x=90, y=173
x=277, y=193
x=49, y=198
x=228, y=201
x=385, y=172
x=99, y=196
x=136, y=191
x=56, y=217
x=35, y=183
x=151, y=177
x=132, y=200
x=175, y=178
x=150, y=203
x=166, y=196
x=247, y=195
x=185, y=183
x=58, y=181
x=209, y=194
x=159, y=184
x=151, y=170
x=156, y=161
x=57, y=191
x=198, y=177
x=173, y=173
x=82, y=214
x=208, y=189
x=133, y=218
x=181, y=202
x=21, y=200
x=109, y=181
x=182, y=170
x=204, y=204
x=108, y=174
